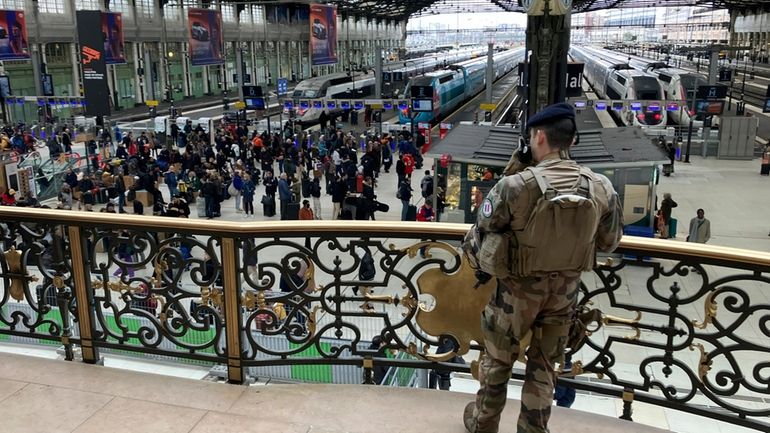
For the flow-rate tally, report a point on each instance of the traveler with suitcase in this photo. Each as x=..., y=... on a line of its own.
x=284, y=194
x=405, y=195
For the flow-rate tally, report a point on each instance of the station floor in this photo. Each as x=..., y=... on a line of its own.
x=732, y=193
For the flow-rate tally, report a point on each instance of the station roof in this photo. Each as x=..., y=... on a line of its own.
x=403, y=9
x=604, y=148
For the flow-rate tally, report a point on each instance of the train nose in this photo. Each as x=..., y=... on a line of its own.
x=650, y=118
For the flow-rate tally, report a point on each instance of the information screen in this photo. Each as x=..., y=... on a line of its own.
x=422, y=105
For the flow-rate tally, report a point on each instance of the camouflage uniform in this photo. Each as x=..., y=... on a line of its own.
x=544, y=302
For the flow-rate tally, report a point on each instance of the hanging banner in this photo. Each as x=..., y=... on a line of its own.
x=91, y=41
x=14, y=44
x=204, y=28
x=323, y=34
x=114, y=45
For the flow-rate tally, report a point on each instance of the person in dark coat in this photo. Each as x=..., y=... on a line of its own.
x=339, y=190
x=401, y=169
x=284, y=194
x=442, y=379
x=379, y=371
x=209, y=192
x=666, y=206
x=66, y=140
x=405, y=195
x=271, y=185
x=369, y=198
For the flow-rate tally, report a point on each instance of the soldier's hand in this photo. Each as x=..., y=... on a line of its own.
x=516, y=165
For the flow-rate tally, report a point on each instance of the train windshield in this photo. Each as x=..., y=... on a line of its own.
x=647, y=88
x=690, y=82
x=305, y=93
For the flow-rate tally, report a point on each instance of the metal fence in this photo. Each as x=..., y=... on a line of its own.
x=681, y=326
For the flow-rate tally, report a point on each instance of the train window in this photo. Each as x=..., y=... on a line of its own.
x=340, y=80
x=620, y=80
x=647, y=94
x=665, y=78
x=446, y=78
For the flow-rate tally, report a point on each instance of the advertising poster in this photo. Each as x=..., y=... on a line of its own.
x=14, y=43
x=323, y=34
x=114, y=46
x=204, y=28
x=91, y=40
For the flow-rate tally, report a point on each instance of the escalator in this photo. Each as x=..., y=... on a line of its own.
x=49, y=174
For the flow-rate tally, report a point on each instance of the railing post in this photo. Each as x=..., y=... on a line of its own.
x=368, y=365
x=62, y=296
x=232, y=310
x=83, y=296
x=628, y=399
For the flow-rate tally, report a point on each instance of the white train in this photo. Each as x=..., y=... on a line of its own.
x=361, y=85
x=616, y=80
x=678, y=85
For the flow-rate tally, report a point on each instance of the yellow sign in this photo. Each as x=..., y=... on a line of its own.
x=488, y=107
x=376, y=106
x=151, y=102
x=239, y=105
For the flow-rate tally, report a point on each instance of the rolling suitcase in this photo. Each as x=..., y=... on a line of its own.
x=268, y=205
x=292, y=211
x=672, y=226
x=200, y=205
x=411, y=213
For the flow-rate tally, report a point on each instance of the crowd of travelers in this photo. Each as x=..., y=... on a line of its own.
x=301, y=173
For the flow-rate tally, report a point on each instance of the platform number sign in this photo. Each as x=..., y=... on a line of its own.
x=252, y=91
x=714, y=91
x=283, y=86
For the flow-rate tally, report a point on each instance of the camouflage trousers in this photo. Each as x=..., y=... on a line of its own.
x=546, y=302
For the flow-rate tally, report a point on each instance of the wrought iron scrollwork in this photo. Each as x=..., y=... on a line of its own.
x=668, y=327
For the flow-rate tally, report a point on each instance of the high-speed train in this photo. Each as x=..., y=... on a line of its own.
x=613, y=79
x=458, y=83
x=361, y=85
x=678, y=85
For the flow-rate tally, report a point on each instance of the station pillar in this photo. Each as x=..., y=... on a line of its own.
x=547, y=43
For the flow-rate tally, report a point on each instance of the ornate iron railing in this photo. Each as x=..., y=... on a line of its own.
x=266, y=294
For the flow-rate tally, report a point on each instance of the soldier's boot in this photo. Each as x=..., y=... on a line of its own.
x=471, y=421
x=468, y=419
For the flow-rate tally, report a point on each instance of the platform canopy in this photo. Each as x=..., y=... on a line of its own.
x=403, y=9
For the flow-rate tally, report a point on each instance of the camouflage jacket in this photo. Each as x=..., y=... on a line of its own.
x=509, y=204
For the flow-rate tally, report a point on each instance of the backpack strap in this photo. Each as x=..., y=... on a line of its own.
x=584, y=188
x=545, y=188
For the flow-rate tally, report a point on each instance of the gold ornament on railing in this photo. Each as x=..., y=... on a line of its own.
x=709, y=312
x=704, y=363
x=115, y=286
x=609, y=320
x=212, y=296
x=16, y=274
x=458, y=304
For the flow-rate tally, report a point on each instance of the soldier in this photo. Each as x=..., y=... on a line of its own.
x=548, y=221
